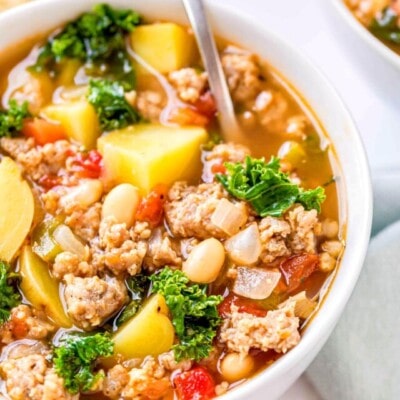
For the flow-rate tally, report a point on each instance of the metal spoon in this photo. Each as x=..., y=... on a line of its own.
x=208, y=50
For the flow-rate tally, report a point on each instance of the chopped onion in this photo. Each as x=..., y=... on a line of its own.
x=245, y=247
x=228, y=217
x=69, y=242
x=255, y=283
x=304, y=306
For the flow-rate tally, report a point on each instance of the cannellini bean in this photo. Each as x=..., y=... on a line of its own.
x=235, y=366
x=88, y=192
x=205, y=261
x=121, y=203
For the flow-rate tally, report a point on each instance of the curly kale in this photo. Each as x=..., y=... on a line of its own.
x=12, y=119
x=74, y=360
x=194, y=314
x=112, y=108
x=9, y=295
x=269, y=190
x=96, y=38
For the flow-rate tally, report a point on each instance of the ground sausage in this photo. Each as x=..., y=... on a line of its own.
x=188, y=210
x=31, y=377
x=273, y=233
x=90, y=301
x=304, y=228
x=189, y=83
x=277, y=331
x=147, y=381
x=243, y=75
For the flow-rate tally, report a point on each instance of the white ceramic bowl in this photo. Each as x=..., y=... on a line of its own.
x=354, y=182
x=365, y=35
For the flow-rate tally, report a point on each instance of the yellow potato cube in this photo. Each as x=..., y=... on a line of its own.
x=165, y=46
x=79, y=120
x=39, y=288
x=145, y=155
x=17, y=209
x=150, y=332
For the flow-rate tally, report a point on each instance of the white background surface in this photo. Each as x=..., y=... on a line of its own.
x=369, y=86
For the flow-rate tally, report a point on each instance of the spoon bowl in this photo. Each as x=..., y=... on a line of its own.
x=196, y=13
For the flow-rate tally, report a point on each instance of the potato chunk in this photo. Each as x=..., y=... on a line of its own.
x=79, y=120
x=165, y=46
x=39, y=288
x=150, y=332
x=145, y=155
x=17, y=208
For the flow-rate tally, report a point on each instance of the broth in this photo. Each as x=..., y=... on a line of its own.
x=285, y=118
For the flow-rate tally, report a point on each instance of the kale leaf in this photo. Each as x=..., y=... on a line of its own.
x=194, y=314
x=137, y=287
x=11, y=120
x=74, y=360
x=9, y=295
x=96, y=38
x=269, y=190
x=111, y=106
x=385, y=26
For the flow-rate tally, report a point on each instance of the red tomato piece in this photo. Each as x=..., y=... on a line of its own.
x=187, y=116
x=218, y=168
x=88, y=165
x=49, y=181
x=19, y=327
x=43, y=131
x=195, y=384
x=151, y=208
x=296, y=269
x=206, y=105
x=244, y=305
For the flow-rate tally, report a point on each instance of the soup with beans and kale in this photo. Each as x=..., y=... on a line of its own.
x=141, y=256
x=381, y=18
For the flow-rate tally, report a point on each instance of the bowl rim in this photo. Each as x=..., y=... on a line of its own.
x=329, y=311
x=373, y=42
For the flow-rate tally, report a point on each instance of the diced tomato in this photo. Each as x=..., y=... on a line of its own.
x=19, y=327
x=184, y=116
x=87, y=165
x=49, y=181
x=244, y=305
x=151, y=208
x=218, y=168
x=206, y=105
x=43, y=131
x=296, y=269
x=195, y=384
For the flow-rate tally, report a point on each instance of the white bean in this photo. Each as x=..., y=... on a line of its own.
x=205, y=261
x=85, y=194
x=235, y=366
x=121, y=203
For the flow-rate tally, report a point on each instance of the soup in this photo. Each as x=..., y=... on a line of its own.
x=381, y=17
x=141, y=255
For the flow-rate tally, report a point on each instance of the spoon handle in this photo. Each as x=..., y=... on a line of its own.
x=209, y=54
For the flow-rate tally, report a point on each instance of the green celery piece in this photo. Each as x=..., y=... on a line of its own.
x=43, y=242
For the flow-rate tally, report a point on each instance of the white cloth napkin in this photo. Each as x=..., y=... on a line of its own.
x=361, y=360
